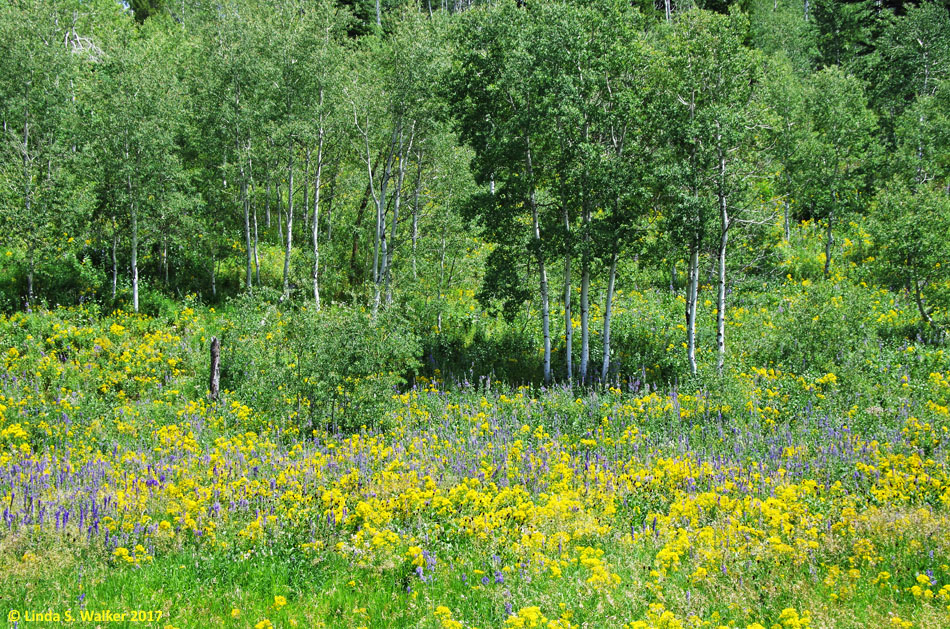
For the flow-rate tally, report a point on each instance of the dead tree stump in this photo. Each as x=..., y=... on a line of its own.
x=215, y=368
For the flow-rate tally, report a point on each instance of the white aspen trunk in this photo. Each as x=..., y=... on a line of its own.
x=257, y=258
x=165, y=258
x=608, y=311
x=397, y=196
x=280, y=216
x=788, y=231
x=214, y=276
x=542, y=272
x=267, y=202
x=290, y=217
x=29, y=280
x=723, y=242
x=135, y=234
x=415, y=208
x=568, y=323
x=135, y=259
x=721, y=296
x=585, y=299
x=380, y=251
x=441, y=281
x=316, y=214
x=28, y=200
x=691, y=299
x=246, y=204
x=379, y=15
x=115, y=262
x=306, y=192
x=253, y=204
x=786, y=209
x=829, y=241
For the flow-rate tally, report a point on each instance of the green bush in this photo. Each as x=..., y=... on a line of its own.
x=340, y=365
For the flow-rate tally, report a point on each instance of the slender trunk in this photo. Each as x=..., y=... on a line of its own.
x=829, y=241
x=316, y=217
x=585, y=299
x=115, y=262
x=28, y=200
x=354, y=249
x=787, y=225
x=306, y=192
x=383, y=257
x=214, y=276
x=280, y=215
x=135, y=234
x=31, y=269
x=721, y=296
x=723, y=241
x=257, y=257
x=568, y=322
x=919, y=299
x=165, y=258
x=246, y=205
x=542, y=272
x=415, y=207
x=691, y=299
x=397, y=196
x=379, y=250
x=379, y=15
x=135, y=258
x=290, y=217
x=608, y=311
x=215, y=371
x=267, y=202
x=441, y=280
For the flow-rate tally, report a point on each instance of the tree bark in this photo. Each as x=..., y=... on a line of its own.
x=724, y=226
x=115, y=263
x=267, y=202
x=290, y=217
x=135, y=252
x=379, y=249
x=397, y=196
x=919, y=299
x=542, y=272
x=585, y=299
x=215, y=375
x=568, y=322
x=28, y=199
x=829, y=241
x=608, y=312
x=721, y=296
x=165, y=258
x=415, y=205
x=316, y=215
x=246, y=205
x=691, y=298
x=31, y=269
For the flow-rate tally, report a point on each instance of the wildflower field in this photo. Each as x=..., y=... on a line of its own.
x=768, y=497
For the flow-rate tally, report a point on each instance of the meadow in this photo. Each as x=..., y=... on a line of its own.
x=807, y=487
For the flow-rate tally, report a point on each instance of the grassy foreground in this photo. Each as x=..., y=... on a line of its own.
x=764, y=498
